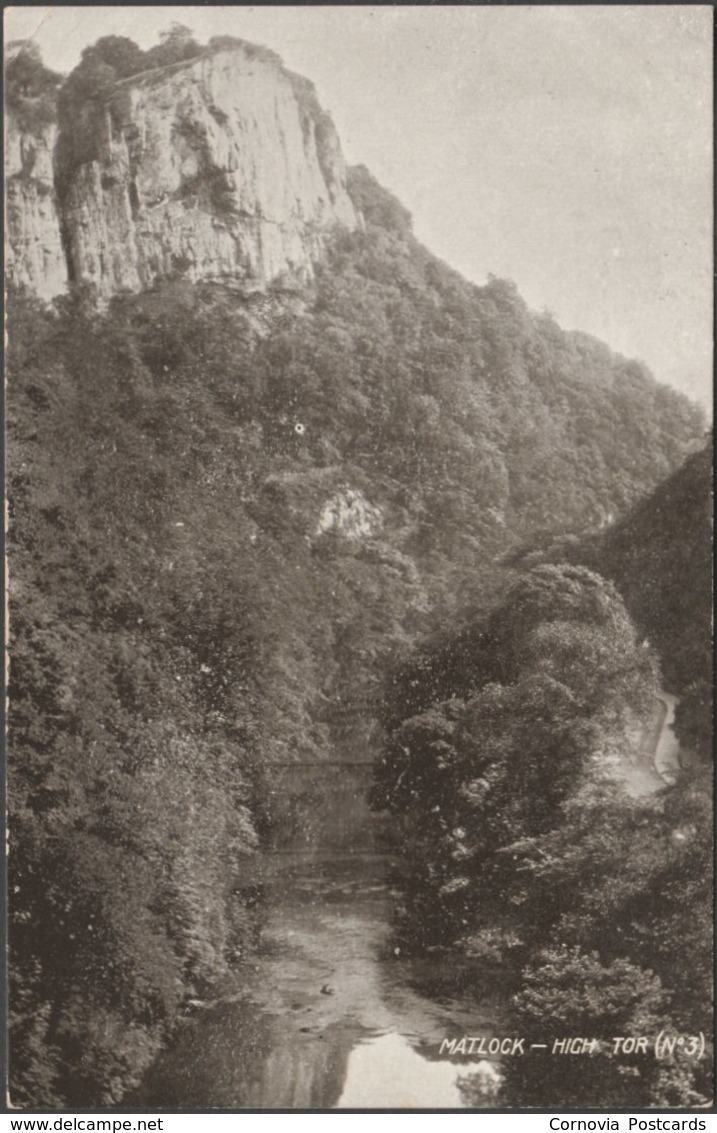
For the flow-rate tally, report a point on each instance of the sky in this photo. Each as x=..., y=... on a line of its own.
x=566, y=148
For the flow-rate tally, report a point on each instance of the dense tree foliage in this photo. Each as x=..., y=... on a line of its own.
x=659, y=554
x=182, y=616
x=115, y=57
x=30, y=87
x=176, y=45
x=565, y=684
x=620, y=897
x=129, y=721
x=177, y=624
x=531, y=855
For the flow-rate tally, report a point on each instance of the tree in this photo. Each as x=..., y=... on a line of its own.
x=470, y=778
x=26, y=75
x=176, y=43
x=116, y=51
x=567, y=992
x=30, y=87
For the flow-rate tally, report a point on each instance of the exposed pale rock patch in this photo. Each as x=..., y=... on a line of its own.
x=34, y=256
x=349, y=514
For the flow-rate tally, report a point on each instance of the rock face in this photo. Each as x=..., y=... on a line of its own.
x=34, y=254
x=223, y=168
x=349, y=514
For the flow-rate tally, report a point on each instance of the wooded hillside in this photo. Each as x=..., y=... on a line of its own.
x=181, y=615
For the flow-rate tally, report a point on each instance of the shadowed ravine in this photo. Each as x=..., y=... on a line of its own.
x=330, y=1015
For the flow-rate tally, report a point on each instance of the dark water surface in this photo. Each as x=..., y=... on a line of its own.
x=331, y=1014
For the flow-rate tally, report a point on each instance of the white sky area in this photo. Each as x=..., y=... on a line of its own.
x=566, y=148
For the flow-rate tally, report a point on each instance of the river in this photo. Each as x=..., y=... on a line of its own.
x=330, y=1014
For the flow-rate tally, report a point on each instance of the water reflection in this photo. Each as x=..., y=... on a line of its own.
x=387, y=1072
x=239, y=1057
x=332, y=1016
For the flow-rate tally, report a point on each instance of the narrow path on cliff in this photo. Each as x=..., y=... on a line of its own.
x=657, y=764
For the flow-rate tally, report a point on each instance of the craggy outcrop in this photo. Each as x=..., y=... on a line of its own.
x=34, y=253
x=222, y=168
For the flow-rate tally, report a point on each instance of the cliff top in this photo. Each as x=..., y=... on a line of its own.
x=216, y=46
x=304, y=89
x=32, y=89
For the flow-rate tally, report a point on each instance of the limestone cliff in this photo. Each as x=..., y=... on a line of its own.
x=34, y=252
x=222, y=168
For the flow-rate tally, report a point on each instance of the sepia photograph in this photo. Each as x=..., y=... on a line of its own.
x=359, y=557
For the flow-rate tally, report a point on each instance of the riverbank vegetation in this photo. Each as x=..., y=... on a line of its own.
x=183, y=614
x=585, y=889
